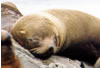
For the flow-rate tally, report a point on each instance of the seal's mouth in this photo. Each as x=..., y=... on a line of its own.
x=43, y=56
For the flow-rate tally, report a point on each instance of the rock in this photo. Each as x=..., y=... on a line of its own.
x=9, y=15
x=29, y=61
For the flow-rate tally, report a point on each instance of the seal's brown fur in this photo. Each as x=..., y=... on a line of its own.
x=65, y=27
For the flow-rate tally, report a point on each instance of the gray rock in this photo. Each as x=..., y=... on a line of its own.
x=29, y=61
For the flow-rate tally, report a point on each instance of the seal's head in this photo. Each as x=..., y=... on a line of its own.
x=37, y=34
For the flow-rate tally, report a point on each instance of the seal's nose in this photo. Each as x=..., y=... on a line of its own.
x=50, y=50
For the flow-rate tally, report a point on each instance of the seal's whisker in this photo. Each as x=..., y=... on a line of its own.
x=33, y=49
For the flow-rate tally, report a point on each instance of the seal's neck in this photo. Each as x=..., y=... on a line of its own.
x=59, y=27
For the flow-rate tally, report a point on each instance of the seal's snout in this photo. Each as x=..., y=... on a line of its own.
x=50, y=49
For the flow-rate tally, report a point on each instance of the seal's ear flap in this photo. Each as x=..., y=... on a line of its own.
x=9, y=15
x=97, y=64
x=22, y=32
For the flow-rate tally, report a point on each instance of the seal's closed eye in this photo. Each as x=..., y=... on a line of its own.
x=34, y=41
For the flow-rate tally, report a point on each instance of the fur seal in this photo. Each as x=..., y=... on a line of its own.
x=8, y=58
x=63, y=32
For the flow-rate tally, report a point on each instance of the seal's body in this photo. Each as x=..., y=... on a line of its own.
x=59, y=31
